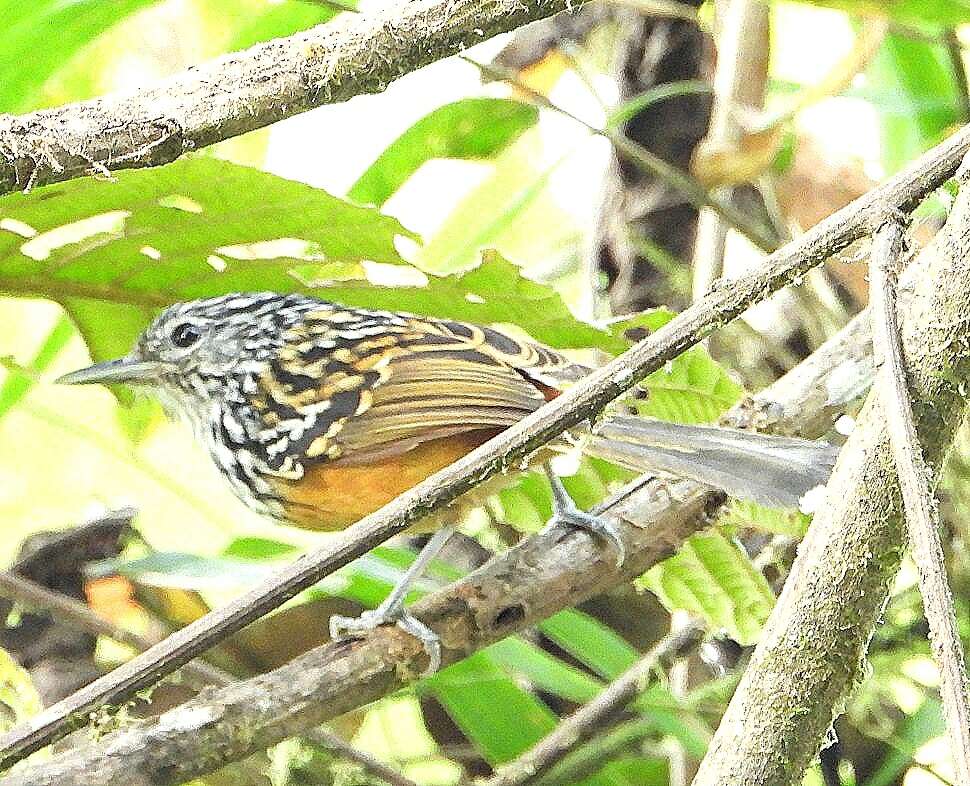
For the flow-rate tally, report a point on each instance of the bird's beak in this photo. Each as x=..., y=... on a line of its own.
x=124, y=369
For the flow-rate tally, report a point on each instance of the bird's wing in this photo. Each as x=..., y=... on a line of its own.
x=380, y=384
x=442, y=383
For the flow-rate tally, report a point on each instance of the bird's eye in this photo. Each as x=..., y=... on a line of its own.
x=185, y=335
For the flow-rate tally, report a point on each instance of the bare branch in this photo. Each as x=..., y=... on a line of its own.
x=810, y=653
x=577, y=404
x=922, y=518
x=243, y=91
x=739, y=85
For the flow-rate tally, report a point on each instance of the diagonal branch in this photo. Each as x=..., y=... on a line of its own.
x=579, y=403
x=545, y=573
x=579, y=726
x=813, y=647
x=72, y=612
x=922, y=519
x=243, y=91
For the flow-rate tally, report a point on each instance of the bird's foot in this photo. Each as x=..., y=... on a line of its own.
x=565, y=511
x=393, y=613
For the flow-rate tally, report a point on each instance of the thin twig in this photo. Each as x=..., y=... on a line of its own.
x=688, y=186
x=22, y=590
x=922, y=518
x=585, y=721
x=579, y=403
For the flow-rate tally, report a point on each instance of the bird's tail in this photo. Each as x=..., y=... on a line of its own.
x=774, y=471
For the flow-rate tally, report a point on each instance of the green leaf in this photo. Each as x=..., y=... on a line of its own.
x=741, y=514
x=115, y=253
x=248, y=561
x=713, y=578
x=919, y=13
x=472, y=128
x=18, y=697
x=527, y=504
x=545, y=671
x=670, y=717
x=591, y=642
x=17, y=383
x=30, y=49
x=925, y=97
x=631, y=771
x=693, y=388
x=482, y=700
x=915, y=731
x=254, y=548
x=280, y=20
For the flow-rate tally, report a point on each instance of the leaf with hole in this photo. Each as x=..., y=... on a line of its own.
x=114, y=253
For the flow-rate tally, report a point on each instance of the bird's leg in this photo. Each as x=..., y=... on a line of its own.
x=393, y=611
x=565, y=511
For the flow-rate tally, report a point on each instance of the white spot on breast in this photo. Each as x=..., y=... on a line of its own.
x=233, y=428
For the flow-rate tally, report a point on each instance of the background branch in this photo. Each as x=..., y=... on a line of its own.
x=243, y=91
x=739, y=87
x=35, y=596
x=810, y=653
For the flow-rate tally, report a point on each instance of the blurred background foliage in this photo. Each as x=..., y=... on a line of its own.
x=468, y=193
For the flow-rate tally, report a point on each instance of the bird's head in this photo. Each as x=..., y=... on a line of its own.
x=192, y=348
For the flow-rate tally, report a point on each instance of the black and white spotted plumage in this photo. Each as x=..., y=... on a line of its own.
x=277, y=383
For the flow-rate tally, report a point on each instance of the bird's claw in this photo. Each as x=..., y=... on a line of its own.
x=565, y=511
x=395, y=614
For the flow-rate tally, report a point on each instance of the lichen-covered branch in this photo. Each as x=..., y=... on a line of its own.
x=919, y=502
x=243, y=91
x=815, y=641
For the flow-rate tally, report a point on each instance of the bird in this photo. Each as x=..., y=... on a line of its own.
x=318, y=414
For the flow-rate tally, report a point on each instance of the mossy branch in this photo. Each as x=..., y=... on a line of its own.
x=814, y=644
